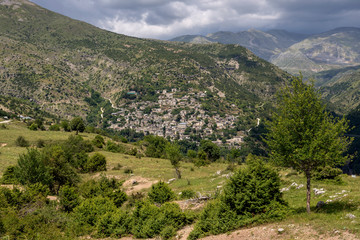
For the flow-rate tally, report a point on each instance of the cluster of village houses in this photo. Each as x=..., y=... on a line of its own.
x=161, y=120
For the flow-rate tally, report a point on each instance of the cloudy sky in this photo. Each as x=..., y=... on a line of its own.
x=165, y=19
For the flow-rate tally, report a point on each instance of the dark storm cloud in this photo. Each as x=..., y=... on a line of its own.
x=167, y=18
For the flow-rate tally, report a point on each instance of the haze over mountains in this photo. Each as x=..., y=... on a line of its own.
x=294, y=52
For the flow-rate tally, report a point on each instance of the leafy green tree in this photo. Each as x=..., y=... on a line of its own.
x=174, y=155
x=155, y=146
x=303, y=135
x=62, y=172
x=66, y=126
x=77, y=124
x=31, y=169
x=211, y=149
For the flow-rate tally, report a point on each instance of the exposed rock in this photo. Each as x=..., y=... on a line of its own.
x=281, y=230
x=350, y=216
x=320, y=204
x=319, y=191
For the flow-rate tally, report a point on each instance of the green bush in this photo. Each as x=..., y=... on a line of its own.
x=98, y=141
x=328, y=173
x=168, y=232
x=113, y=147
x=251, y=195
x=21, y=142
x=55, y=127
x=32, y=169
x=96, y=163
x=187, y=194
x=92, y=209
x=148, y=220
x=69, y=198
x=114, y=224
x=9, y=176
x=40, y=143
x=128, y=170
x=33, y=127
x=161, y=193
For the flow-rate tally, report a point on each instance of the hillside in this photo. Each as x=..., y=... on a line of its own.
x=333, y=49
x=341, y=87
x=57, y=62
x=263, y=44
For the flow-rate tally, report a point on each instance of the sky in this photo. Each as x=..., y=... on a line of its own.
x=166, y=19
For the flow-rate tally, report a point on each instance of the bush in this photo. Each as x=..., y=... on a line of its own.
x=55, y=127
x=133, y=151
x=251, y=195
x=40, y=143
x=168, y=232
x=98, y=141
x=114, y=224
x=96, y=163
x=161, y=193
x=92, y=209
x=187, y=194
x=69, y=198
x=31, y=169
x=9, y=176
x=113, y=147
x=150, y=220
x=128, y=170
x=33, y=127
x=21, y=142
x=328, y=173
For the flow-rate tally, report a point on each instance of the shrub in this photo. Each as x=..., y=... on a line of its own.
x=31, y=169
x=161, y=193
x=69, y=198
x=55, y=127
x=40, y=143
x=96, y=163
x=118, y=197
x=187, y=194
x=21, y=142
x=98, y=141
x=133, y=151
x=92, y=209
x=128, y=170
x=168, y=232
x=113, y=147
x=251, y=195
x=328, y=173
x=113, y=224
x=33, y=127
x=9, y=176
x=150, y=220
x=66, y=126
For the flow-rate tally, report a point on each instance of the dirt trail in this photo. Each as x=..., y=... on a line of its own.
x=270, y=231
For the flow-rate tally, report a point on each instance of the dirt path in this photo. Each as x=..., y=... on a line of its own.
x=7, y=121
x=291, y=231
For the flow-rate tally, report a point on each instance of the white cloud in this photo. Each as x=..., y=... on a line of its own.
x=165, y=19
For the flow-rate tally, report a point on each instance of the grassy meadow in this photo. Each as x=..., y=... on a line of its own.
x=340, y=198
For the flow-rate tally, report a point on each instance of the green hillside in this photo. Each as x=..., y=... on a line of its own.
x=341, y=87
x=56, y=62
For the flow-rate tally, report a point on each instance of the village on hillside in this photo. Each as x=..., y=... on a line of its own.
x=173, y=117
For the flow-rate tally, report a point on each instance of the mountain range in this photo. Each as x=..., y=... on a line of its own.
x=294, y=52
x=59, y=63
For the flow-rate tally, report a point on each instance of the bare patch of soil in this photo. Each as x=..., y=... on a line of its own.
x=136, y=184
x=290, y=232
x=191, y=204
